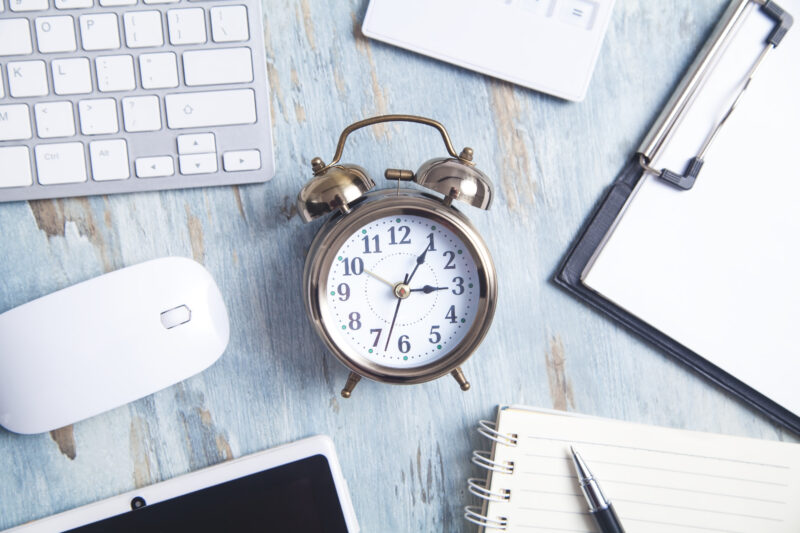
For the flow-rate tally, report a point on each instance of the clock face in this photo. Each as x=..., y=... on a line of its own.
x=402, y=291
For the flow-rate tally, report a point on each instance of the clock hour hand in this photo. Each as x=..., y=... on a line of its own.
x=427, y=289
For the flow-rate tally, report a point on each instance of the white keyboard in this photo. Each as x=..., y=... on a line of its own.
x=547, y=45
x=111, y=96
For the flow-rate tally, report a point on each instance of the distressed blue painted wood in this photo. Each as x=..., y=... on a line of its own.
x=404, y=450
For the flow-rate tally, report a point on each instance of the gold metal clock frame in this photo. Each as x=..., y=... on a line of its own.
x=345, y=190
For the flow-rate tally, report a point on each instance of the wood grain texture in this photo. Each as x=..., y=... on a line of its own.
x=404, y=450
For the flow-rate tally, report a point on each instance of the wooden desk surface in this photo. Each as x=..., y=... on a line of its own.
x=404, y=450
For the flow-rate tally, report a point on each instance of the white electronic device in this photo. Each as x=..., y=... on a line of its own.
x=108, y=341
x=113, y=96
x=547, y=45
x=295, y=487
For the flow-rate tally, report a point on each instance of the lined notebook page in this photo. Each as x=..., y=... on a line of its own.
x=660, y=480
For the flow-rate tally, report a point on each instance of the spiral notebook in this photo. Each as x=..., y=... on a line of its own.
x=660, y=480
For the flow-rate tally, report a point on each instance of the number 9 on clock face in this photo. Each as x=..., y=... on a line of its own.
x=403, y=291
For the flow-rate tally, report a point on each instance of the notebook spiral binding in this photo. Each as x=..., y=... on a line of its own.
x=479, y=488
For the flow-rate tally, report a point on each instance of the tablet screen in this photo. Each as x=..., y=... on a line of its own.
x=299, y=496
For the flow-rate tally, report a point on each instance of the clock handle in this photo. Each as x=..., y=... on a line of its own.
x=320, y=167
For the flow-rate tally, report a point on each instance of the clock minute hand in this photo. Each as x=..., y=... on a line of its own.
x=420, y=260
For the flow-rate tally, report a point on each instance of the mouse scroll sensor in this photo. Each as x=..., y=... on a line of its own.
x=176, y=316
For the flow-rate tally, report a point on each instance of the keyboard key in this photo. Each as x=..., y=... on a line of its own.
x=241, y=160
x=55, y=34
x=71, y=76
x=141, y=113
x=15, y=37
x=15, y=123
x=113, y=3
x=15, y=167
x=27, y=78
x=143, y=29
x=229, y=23
x=98, y=116
x=198, y=163
x=2, y=89
x=212, y=108
x=109, y=160
x=60, y=163
x=54, y=119
x=115, y=73
x=73, y=4
x=187, y=26
x=27, y=5
x=161, y=1
x=158, y=71
x=99, y=31
x=214, y=67
x=200, y=143
x=154, y=167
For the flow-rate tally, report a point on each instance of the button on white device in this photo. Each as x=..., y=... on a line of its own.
x=241, y=160
x=578, y=12
x=176, y=316
x=154, y=167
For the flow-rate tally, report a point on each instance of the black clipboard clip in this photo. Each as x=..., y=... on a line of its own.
x=783, y=22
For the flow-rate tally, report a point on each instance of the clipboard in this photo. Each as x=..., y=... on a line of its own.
x=678, y=121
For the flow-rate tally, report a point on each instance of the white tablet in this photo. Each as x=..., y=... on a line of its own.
x=295, y=487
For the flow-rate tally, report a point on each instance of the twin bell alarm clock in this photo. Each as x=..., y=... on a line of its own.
x=398, y=283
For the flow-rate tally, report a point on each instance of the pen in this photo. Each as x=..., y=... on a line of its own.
x=599, y=507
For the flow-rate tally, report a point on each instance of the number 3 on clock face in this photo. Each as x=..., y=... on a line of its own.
x=402, y=291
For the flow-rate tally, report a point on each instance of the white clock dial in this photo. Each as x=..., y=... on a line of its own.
x=402, y=291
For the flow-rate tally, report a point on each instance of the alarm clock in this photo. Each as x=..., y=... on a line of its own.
x=398, y=283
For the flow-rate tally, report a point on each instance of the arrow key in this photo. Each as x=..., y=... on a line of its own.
x=198, y=163
x=199, y=143
x=241, y=160
x=154, y=167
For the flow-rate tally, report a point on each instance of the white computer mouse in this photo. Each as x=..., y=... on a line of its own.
x=108, y=341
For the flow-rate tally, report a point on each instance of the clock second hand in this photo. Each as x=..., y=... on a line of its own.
x=394, y=318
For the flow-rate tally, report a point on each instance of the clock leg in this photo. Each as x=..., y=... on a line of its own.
x=352, y=381
x=458, y=374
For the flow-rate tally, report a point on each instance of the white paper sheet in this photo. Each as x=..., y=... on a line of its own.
x=659, y=480
x=716, y=268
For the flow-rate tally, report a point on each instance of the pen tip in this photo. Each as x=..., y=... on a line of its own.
x=580, y=466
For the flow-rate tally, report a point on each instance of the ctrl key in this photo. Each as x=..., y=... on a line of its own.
x=60, y=163
x=15, y=167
